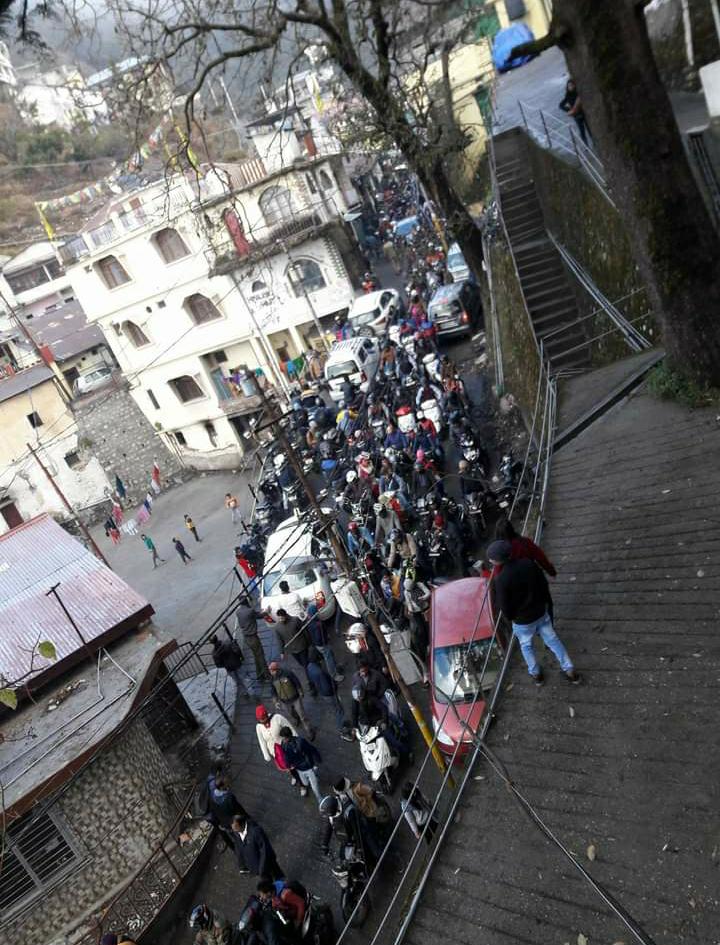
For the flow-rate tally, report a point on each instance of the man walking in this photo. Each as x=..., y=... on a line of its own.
x=222, y=807
x=321, y=641
x=246, y=618
x=150, y=545
x=231, y=503
x=303, y=758
x=268, y=728
x=190, y=525
x=325, y=687
x=180, y=548
x=253, y=850
x=289, y=696
x=228, y=655
x=294, y=639
x=523, y=596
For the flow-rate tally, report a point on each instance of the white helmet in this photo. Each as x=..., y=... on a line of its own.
x=355, y=637
x=279, y=461
x=350, y=476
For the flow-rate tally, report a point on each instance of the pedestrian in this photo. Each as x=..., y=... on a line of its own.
x=246, y=618
x=180, y=548
x=150, y=545
x=212, y=926
x=147, y=504
x=267, y=728
x=523, y=547
x=325, y=687
x=190, y=525
x=120, y=489
x=416, y=597
x=417, y=812
x=228, y=655
x=222, y=807
x=288, y=600
x=253, y=849
x=573, y=106
x=522, y=594
x=289, y=696
x=117, y=512
x=252, y=581
x=231, y=503
x=115, y=535
x=320, y=639
x=303, y=758
x=294, y=639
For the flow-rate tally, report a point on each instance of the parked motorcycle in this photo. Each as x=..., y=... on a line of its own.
x=377, y=756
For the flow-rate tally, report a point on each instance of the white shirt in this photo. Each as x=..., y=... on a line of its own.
x=269, y=735
x=290, y=602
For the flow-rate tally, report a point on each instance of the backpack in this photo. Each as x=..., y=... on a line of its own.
x=280, y=759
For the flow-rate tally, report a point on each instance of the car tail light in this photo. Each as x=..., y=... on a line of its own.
x=465, y=317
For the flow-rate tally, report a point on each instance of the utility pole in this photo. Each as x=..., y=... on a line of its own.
x=345, y=563
x=71, y=510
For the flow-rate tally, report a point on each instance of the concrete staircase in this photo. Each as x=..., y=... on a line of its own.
x=543, y=278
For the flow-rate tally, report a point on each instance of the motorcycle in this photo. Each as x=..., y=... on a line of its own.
x=431, y=409
x=406, y=419
x=351, y=873
x=378, y=758
x=473, y=453
x=474, y=509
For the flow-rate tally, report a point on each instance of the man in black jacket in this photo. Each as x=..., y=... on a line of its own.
x=522, y=594
x=228, y=655
x=253, y=850
x=222, y=806
x=303, y=758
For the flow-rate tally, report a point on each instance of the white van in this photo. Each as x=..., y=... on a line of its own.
x=356, y=358
x=296, y=555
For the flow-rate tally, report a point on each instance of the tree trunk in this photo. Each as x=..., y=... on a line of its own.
x=632, y=124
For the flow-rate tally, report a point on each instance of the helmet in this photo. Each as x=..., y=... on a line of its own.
x=353, y=527
x=371, y=399
x=395, y=534
x=356, y=631
x=420, y=455
x=438, y=520
x=364, y=456
x=463, y=465
x=358, y=434
x=357, y=693
x=200, y=917
x=341, y=404
x=261, y=713
x=350, y=476
x=313, y=425
x=420, y=415
x=377, y=507
x=414, y=296
x=368, y=275
x=338, y=320
x=279, y=461
x=329, y=806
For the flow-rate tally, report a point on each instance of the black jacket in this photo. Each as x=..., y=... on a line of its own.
x=255, y=852
x=521, y=591
x=222, y=806
x=227, y=655
x=300, y=754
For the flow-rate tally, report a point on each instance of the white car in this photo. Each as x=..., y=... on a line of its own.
x=92, y=380
x=296, y=555
x=456, y=265
x=370, y=313
x=356, y=359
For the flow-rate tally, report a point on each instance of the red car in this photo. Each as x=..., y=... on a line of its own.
x=460, y=613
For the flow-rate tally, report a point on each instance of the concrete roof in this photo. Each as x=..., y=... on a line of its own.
x=24, y=380
x=45, y=741
x=34, y=253
x=66, y=331
x=36, y=556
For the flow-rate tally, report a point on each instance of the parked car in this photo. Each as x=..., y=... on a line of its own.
x=92, y=380
x=370, y=313
x=456, y=309
x=461, y=630
x=295, y=554
x=356, y=358
x=456, y=265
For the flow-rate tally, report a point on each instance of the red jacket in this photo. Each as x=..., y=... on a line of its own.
x=523, y=547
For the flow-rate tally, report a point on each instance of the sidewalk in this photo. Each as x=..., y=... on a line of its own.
x=628, y=763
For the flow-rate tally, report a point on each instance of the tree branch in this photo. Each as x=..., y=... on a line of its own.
x=555, y=37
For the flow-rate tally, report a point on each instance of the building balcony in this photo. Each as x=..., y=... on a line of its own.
x=238, y=404
x=276, y=238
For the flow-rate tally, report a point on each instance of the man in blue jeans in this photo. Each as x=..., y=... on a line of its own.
x=522, y=594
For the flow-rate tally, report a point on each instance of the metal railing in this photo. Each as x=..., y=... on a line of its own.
x=554, y=134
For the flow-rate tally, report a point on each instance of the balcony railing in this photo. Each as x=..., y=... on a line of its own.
x=223, y=257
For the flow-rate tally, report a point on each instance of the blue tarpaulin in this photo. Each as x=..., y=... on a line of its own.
x=504, y=43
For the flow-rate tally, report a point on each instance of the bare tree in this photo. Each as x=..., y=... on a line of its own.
x=634, y=129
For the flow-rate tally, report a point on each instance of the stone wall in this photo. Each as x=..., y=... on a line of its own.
x=116, y=811
x=592, y=230
x=520, y=356
x=667, y=35
x=113, y=428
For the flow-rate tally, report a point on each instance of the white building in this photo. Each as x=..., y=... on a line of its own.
x=8, y=79
x=58, y=97
x=180, y=276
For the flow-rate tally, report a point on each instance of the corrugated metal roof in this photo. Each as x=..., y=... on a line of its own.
x=34, y=557
x=66, y=330
x=24, y=380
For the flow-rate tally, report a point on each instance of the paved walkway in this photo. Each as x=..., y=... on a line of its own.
x=628, y=763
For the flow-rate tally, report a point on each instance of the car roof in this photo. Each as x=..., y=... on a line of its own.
x=366, y=303
x=456, y=607
x=446, y=292
x=291, y=539
x=341, y=349
x=454, y=248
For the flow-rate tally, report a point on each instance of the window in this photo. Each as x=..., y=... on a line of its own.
x=38, y=848
x=311, y=184
x=186, y=388
x=34, y=420
x=211, y=432
x=162, y=303
x=111, y=272
x=170, y=244
x=325, y=180
x=258, y=286
x=219, y=356
x=305, y=276
x=72, y=459
x=153, y=400
x=54, y=269
x=201, y=309
x=277, y=205
x=135, y=333
x=180, y=438
x=27, y=279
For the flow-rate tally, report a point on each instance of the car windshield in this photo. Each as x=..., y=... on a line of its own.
x=340, y=368
x=298, y=576
x=456, y=260
x=364, y=318
x=457, y=675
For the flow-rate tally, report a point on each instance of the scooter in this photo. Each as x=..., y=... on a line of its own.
x=377, y=756
x=406, y=419
x=431, y=409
